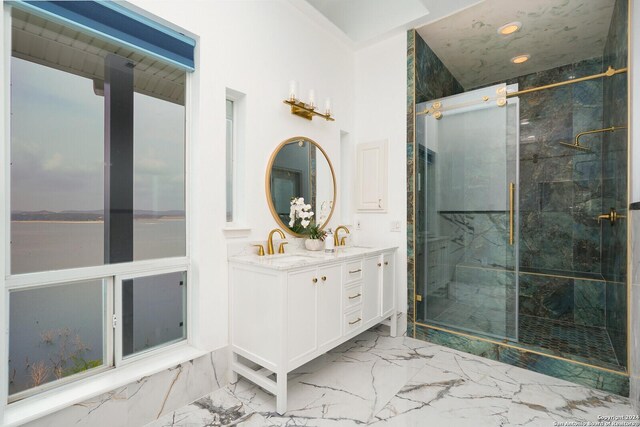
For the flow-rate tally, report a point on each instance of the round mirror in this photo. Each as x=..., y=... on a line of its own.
x=300, y=185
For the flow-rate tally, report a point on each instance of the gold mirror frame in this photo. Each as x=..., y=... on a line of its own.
x=267, y=184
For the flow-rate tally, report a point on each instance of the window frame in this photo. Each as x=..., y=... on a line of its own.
x=119, y=359
x=231, y=175
x=109, y=272
x=108, y=342
x=238, y=227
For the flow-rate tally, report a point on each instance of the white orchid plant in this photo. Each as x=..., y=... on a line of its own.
x=300, y=215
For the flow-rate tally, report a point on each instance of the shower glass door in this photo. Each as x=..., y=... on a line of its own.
x=467, y=213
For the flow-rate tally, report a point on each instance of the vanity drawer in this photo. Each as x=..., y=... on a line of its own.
x=353, y=271
x=353, y=320
x=352, y=296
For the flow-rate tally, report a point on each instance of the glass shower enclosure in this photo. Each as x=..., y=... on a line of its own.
x=467, y=212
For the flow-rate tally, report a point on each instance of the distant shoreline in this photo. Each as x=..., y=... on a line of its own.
x=94, y=222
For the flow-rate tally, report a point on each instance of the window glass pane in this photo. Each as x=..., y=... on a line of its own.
x=58, y=188
x=153, y=312
x=159, y=178
x=57, y=176
x=229, y=164
x=55, y=332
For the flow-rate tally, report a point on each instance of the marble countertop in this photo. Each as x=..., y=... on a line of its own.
x=304, y=258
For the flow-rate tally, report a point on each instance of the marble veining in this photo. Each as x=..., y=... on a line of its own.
x=554, y=33
x=148, y=398
x=303, y=258
x=377, y=380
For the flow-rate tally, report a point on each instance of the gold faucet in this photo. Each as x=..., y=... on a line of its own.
x=270, y=250
x=336, y=239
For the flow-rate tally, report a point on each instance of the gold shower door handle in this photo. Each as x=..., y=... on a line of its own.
x=512, y=189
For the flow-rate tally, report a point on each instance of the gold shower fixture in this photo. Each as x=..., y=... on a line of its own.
x=576, y=143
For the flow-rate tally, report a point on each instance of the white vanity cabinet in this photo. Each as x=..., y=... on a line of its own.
x=283, y=315
x=313, y=321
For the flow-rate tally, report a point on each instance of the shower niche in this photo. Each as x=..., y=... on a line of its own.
x=518, y=200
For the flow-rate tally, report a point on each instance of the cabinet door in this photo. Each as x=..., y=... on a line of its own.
x=372, y=176
x=388, y=276
x=329, y=308
x=301, y=311
x=370, y=289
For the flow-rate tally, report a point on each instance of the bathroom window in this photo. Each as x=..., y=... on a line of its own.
x=235, y=102
x=98, y=259
x=230, y=159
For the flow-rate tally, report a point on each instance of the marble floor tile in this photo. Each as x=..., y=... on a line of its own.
x=374, y=379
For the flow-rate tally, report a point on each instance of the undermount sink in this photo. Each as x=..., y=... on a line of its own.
x=353, y=248
x=289, y=259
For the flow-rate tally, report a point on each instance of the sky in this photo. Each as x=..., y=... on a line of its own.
x=57, y=144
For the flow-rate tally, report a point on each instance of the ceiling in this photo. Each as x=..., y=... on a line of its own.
x=554, y=33
x=363, y=22
x=47, y=43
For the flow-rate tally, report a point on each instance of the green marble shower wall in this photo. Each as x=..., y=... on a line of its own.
x=566, y=274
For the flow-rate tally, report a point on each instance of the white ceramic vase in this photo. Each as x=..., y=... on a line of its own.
x=314, y=244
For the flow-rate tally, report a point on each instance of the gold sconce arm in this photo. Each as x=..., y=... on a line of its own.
x=306, y=111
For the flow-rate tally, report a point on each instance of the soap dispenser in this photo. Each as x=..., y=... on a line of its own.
x=329, y=245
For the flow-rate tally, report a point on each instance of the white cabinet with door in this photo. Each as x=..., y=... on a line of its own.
x=371, y=176
x=281, y=318
x=313, y=322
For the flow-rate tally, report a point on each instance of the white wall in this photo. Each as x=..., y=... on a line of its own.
x=254, y=47
x=380, y=113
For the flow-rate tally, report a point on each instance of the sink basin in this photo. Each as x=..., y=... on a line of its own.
x=353, y=248
x=289, y=259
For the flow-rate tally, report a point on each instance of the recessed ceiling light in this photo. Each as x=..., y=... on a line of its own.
x=510, y=28
x=520, y=59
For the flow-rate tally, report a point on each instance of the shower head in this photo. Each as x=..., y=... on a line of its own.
x=576, y=146
x=576, y=143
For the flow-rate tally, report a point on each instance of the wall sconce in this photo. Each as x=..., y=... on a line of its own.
x=306, y=110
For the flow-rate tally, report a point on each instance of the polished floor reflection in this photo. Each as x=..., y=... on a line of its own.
x=377, y=380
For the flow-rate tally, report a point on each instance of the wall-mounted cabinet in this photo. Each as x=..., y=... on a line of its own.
x=371, y=176
x=282, y=318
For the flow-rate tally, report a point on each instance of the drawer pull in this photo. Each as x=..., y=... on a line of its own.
x=355, y=271
x=314, y=280
x=324, y=278
x=386, y=263
x=355, y=321
x=379, y=264
x=355, y=296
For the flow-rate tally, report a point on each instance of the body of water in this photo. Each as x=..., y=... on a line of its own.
x=59, y=330
x=43, y=245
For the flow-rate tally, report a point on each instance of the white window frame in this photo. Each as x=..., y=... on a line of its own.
x=116, y=373
x=234, y=163
x=237, y=228
x=108, y=343
x=119, y=359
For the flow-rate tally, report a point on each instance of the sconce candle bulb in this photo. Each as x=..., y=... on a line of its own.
x=327, y=106
x=293, y=90
x=312, y=98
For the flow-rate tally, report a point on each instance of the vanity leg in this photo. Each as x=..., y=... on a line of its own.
x=234, y=375
x=393, y=324
x=281, y=395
